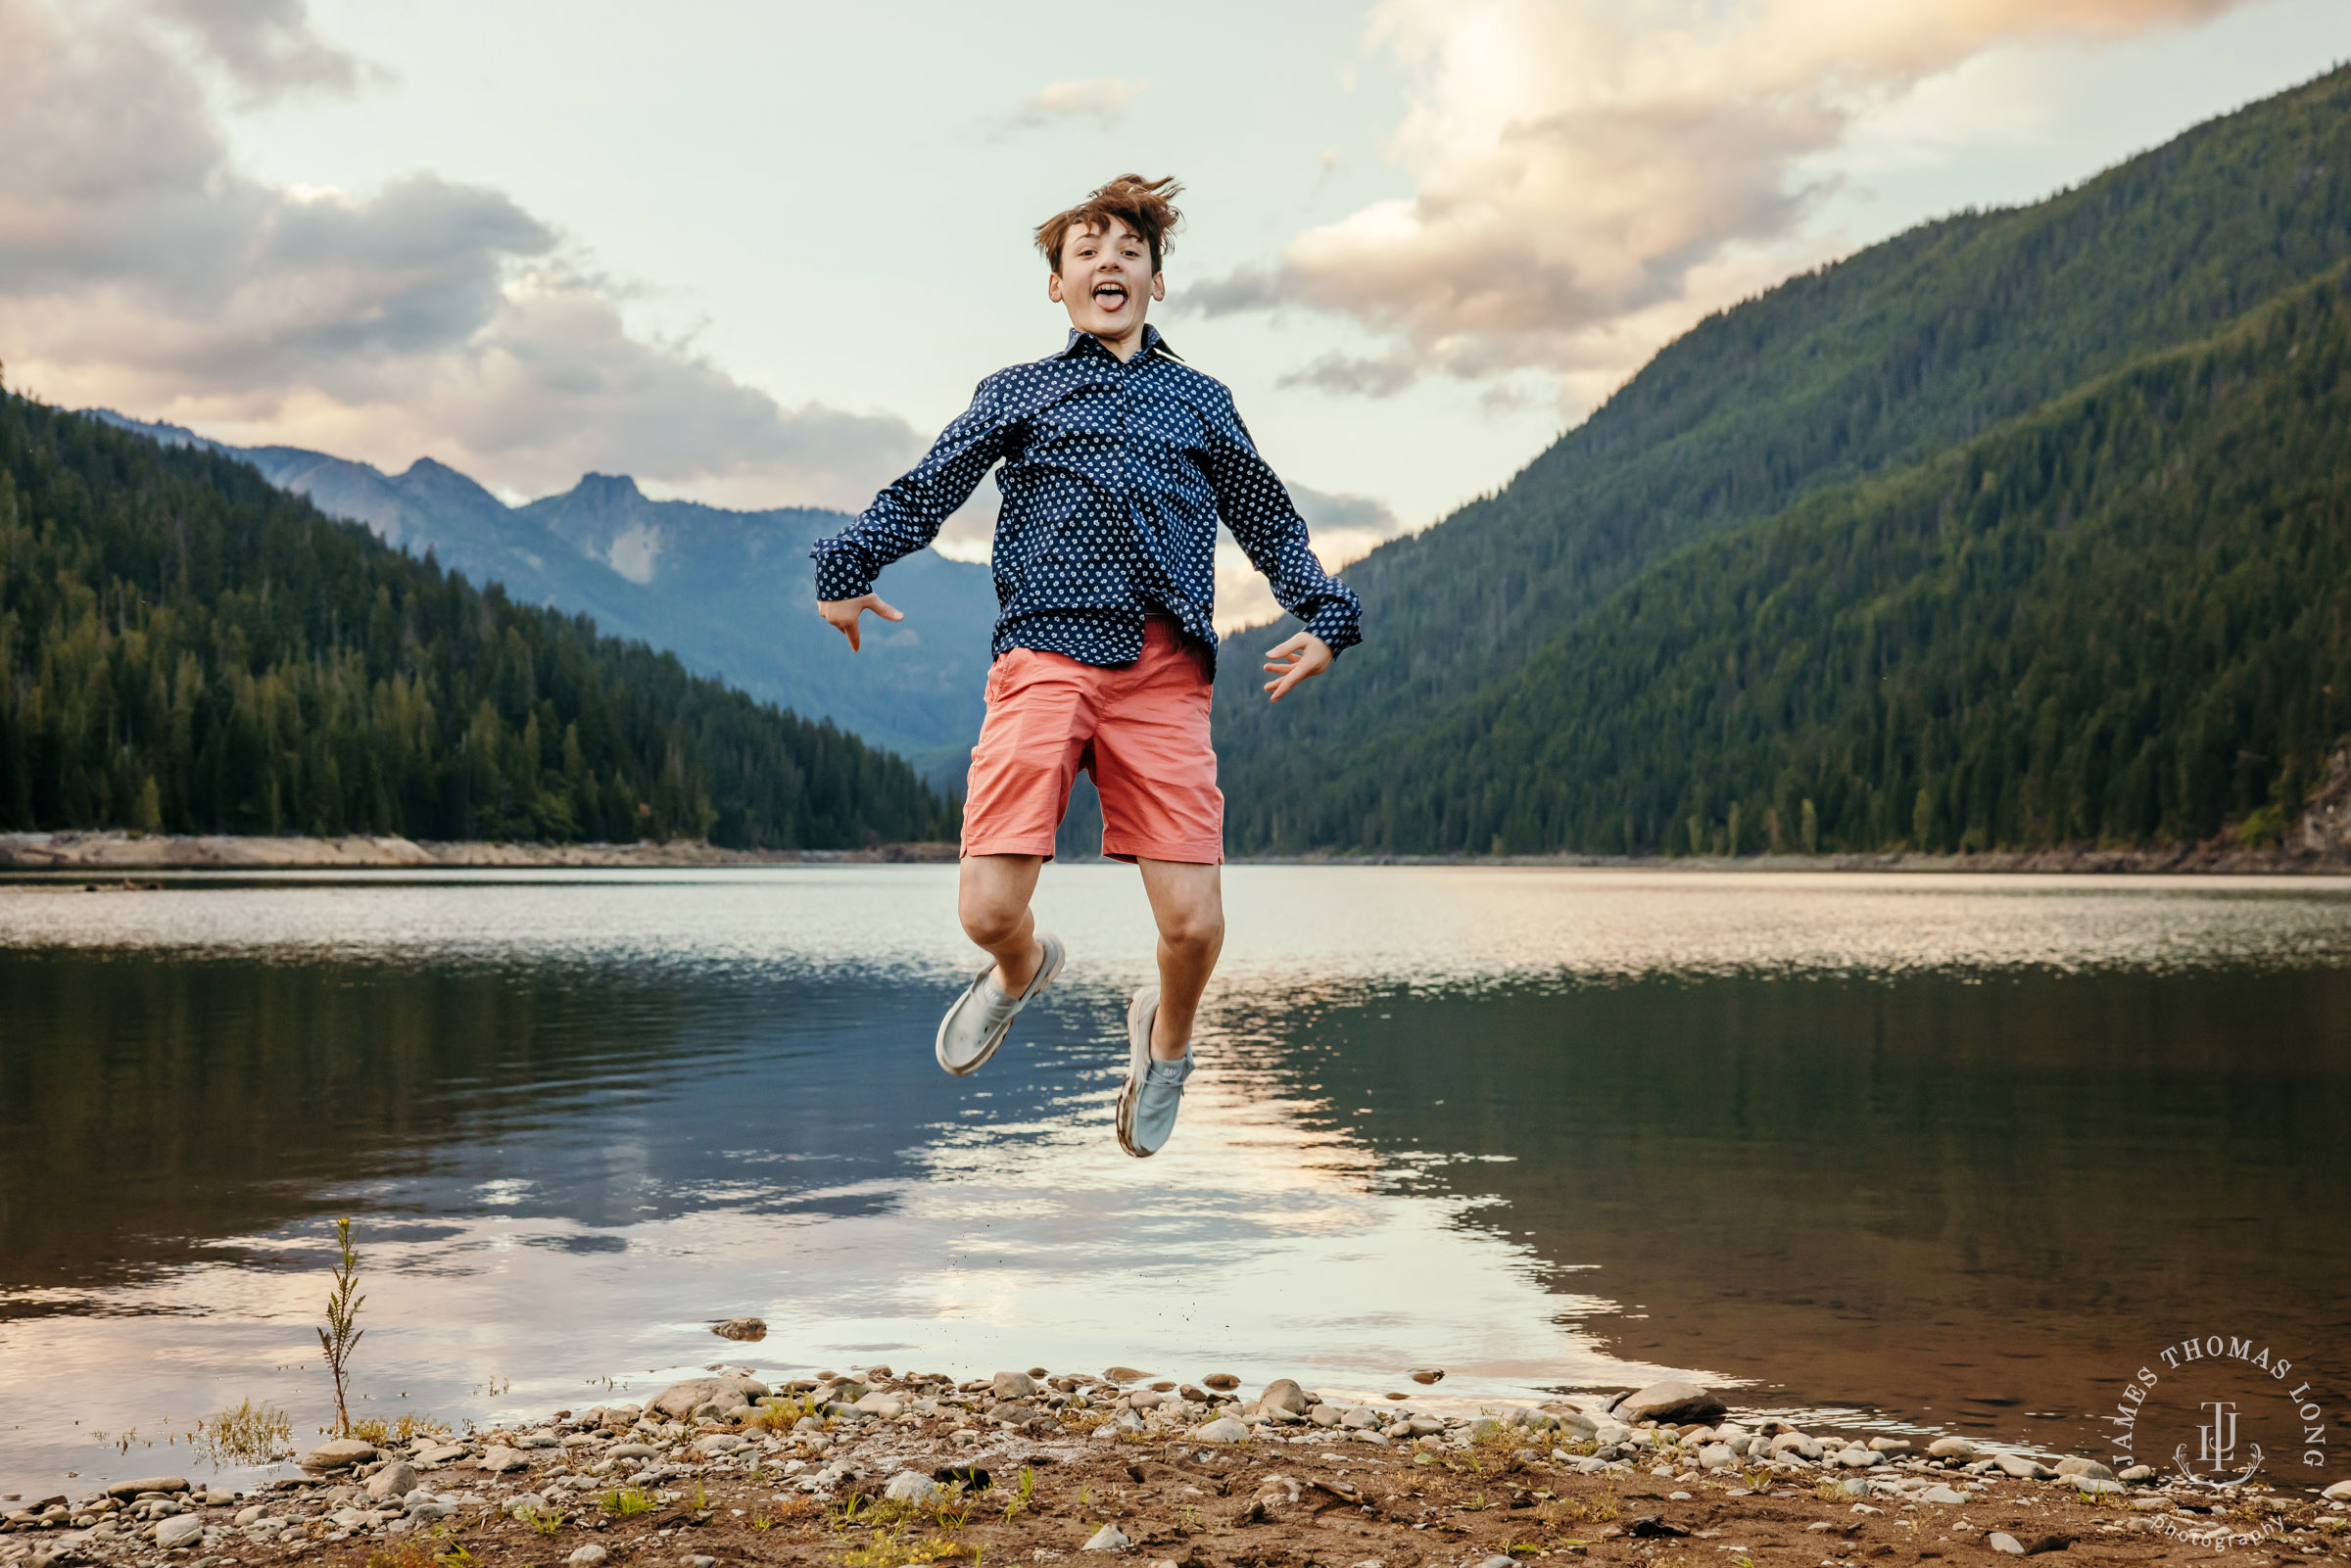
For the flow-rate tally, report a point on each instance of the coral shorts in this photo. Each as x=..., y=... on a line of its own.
x=1141, y=730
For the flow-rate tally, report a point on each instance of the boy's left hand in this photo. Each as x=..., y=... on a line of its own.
x=1301, y=659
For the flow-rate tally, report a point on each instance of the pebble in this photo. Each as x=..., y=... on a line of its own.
x=2139, y=1474
x=591, y=1556
x=696, y=1560
x=1427, y=1374
x=2339, y=1493
x=1717, y=1457
x=1890, y=1444
x=1223, y=1429
x=1107, y=1539
x=740, y=1328
x=2074, y=1464
x=440, y=1453
x=1012, y=1386
x=1222, y=1382
x=1498, y=1560
x=1856, y=1458
x=1941, y=1494
x=2024, y=1469
x=910, y=1486
x=498, y=1459
x=2003, y=1541
x=2095, y=1486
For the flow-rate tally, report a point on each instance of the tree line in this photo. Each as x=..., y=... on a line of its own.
x=184, y=648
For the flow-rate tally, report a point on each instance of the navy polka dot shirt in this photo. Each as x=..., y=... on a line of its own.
x=1114, y=477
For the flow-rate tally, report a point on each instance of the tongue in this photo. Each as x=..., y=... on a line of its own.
x=1111, y=298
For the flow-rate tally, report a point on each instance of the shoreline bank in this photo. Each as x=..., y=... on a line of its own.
x=878, y=1470
x=71, y=852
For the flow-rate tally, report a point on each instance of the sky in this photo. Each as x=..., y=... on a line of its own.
x=757, y=253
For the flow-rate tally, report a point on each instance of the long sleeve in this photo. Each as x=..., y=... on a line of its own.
x=1255, y=505
x=907, y=515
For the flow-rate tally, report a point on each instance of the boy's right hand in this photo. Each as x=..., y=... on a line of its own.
x=844, y=613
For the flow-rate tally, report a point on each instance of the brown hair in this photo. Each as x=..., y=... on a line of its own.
x=1147, y=207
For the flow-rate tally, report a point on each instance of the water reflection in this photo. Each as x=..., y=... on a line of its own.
x=1954, y=1150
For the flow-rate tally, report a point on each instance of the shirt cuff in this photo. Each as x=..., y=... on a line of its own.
x=840, y=574
x=1337, y=625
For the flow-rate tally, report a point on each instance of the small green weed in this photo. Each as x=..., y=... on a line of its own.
x=628, y=1502
x=1018, y=1501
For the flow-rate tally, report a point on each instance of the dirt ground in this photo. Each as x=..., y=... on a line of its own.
x=1274, y=1504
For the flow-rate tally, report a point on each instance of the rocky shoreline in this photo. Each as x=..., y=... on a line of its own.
x=114, y=851
x=876, y=1470
x=126, y=852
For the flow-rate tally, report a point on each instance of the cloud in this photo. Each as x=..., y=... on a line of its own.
x=140, y=270
x=1382, y=377
x=1104, y=100
x=1578, y=164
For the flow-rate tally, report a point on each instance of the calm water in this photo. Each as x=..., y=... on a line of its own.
x=1943, y=1154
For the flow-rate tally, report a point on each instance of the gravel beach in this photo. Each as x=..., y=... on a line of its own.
x=874, y=1469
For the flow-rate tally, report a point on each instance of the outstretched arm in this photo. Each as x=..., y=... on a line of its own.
x=1256, y=506
x=906, y=516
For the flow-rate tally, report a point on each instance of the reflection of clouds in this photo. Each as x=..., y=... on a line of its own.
x=1298, y=934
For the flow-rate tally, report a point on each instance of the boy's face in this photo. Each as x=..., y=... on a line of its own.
x=1106, y=281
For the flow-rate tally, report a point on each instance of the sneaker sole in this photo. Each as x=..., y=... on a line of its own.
x=1051, y=967
x=1142, y=1010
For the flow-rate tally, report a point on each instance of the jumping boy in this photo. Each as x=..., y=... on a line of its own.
x=1118, y=462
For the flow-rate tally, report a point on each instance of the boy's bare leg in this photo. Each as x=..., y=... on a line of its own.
x=993, y=898
x=1189, y=902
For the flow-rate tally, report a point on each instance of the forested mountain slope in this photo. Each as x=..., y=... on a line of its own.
x=1913, y=348
x=728, y=591
x=185, y=648
x=2123, y=618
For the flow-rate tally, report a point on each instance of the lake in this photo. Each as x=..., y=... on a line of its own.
x=1931, y=1154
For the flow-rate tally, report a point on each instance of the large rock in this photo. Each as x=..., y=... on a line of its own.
x=2075, y=1464
x=2340, y=1492
x=498, y=1459
x=1110, y=1537
x=2024, y=1469
x=910, y=1486
x=1952, y=1449
x=1223, y=1429
x=1669, y=1400
x=681, y=1400
x=180, y=1530
x=394, y=1480
x=1012, y=1386
x=338, y=1454
x=1283, y=1394
x=160, y=1483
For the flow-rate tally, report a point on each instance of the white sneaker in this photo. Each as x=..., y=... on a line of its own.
x=982, y=1016
x=1153, y=1092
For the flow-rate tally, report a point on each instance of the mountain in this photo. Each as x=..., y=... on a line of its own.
x=1815, y=417
x=186, y=648
x=728, y=591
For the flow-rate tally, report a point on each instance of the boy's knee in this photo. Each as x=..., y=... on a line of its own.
x=1195, y=930
x=990, y=923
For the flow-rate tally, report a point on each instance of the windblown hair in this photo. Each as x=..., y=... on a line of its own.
x=1147, y=207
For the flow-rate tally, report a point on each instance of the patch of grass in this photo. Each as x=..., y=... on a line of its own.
x=793, y=1510
x=702, y=1499
x=1018, y=1502
x=408, y=1429
x=250, y=1434
x=888, y=1548
x=546, y=1521
x=627, y=1502
x=1600, y=1509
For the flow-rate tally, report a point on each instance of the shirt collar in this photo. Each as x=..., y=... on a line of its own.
x=1153, y=343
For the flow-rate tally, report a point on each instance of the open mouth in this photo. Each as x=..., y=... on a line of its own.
x=1110, y=296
